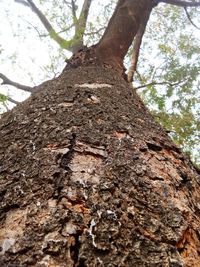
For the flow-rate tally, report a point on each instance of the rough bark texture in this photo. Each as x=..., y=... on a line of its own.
x=87, y=178
x=119, y=34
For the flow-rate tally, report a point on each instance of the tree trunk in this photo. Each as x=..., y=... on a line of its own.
x=119, y=34
x=121, y=30
x=88, y=178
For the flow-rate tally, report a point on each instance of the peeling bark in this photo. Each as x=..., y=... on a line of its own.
x=88, y=178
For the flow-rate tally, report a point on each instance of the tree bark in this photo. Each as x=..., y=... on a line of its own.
x=88, y=178
x=121, y=30
x=119, y=34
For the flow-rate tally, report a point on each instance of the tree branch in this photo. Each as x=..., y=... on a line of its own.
x=17, y=85
x=47, y=34
x=62, y=42
x=136, y=46
x=12, y=100
x=34, y=27
x=80, y=25
x=95, y=32
x=180, y=3
x=120, y=33
x=23, y=2
x=74, y=8
x=76, y=43
x=4, y=98
x=157, y=83
x=188, y=16
x=85, y=10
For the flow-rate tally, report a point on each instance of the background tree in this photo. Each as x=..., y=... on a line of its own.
x=88, y=178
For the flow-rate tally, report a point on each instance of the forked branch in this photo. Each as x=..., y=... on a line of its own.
x=61, y=41
x=121, y=30
x=80, y=24
x=76, y=43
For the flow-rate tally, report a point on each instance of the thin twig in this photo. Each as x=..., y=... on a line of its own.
x=62, y=42
x=76, y=42
x=12, y=100
x=17, y=85
x=180, y=3
x=64, y=30
x=158, y=83
x=67, y=3
x=188, y=16
x=34, y=27
x=95, y=32
x=6, y=107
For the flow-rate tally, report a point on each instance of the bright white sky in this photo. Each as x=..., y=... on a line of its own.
x=23, y=57
x=31, y=53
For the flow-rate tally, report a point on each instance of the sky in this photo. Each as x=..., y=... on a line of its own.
x=20, y=55
x=24, y=58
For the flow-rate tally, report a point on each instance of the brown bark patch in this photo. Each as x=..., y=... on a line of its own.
x=189, y=248
x=139, y=193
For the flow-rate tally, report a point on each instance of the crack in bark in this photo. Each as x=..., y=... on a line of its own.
x=154, y=146
x=67, y=157
x=74, y=250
